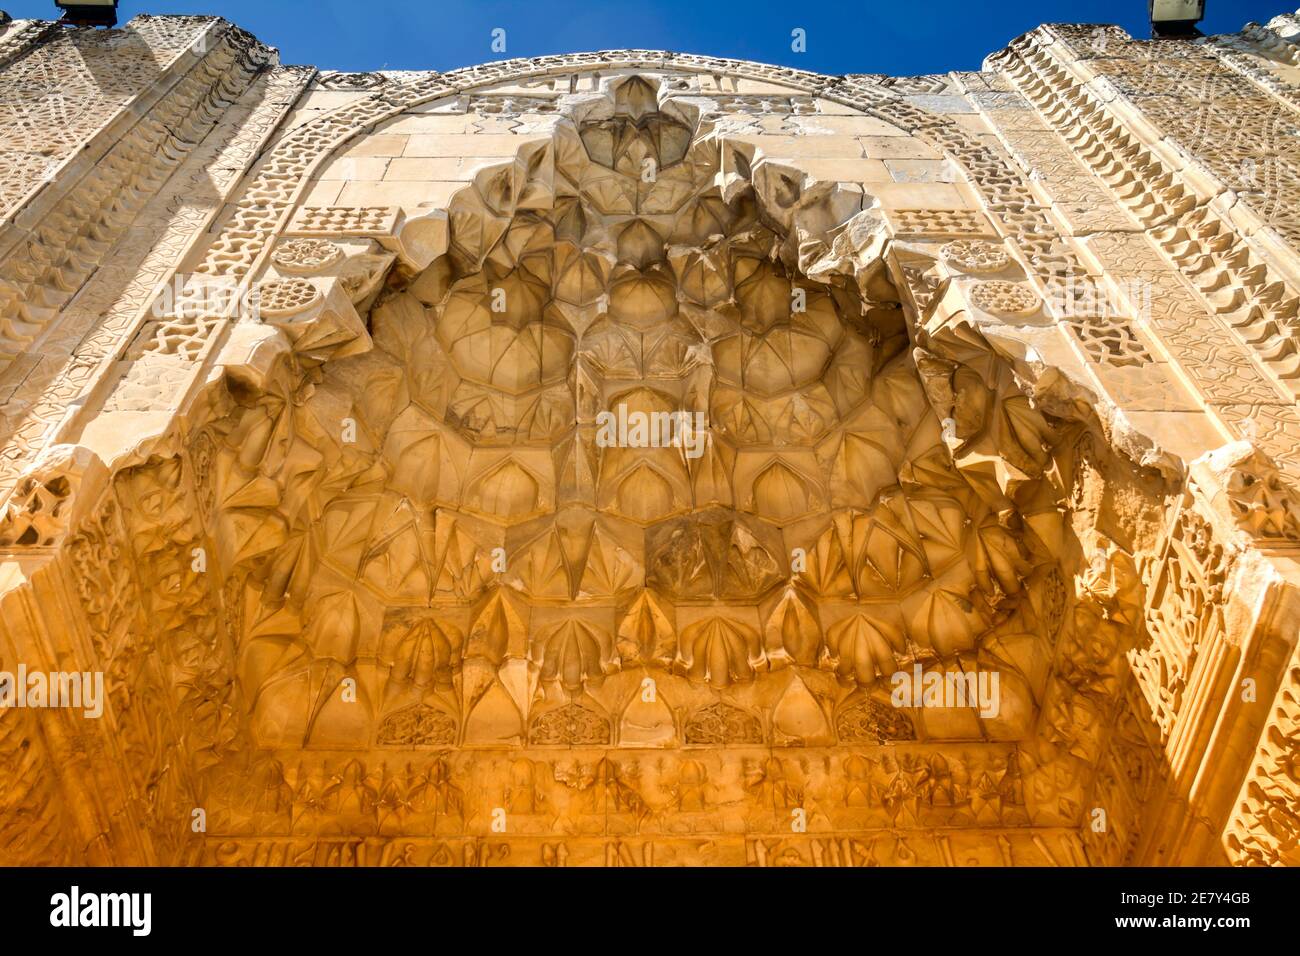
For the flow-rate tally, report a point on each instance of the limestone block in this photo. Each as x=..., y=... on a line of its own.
x=427, y=124
x=821, y=124
x=377, y=144
x=921, y=171
x=928, y=195
x=441, y=169
x=404, y=194
x=419, y=239
x=354, y=168
x=462, y=144
x=895, y=147
x=808, y=147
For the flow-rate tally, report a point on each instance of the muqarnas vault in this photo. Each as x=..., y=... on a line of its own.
x=997, y=373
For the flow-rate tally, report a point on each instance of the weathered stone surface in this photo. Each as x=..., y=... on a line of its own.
x=579, y=460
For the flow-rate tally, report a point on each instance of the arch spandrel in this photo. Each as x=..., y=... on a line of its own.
x=429, y=569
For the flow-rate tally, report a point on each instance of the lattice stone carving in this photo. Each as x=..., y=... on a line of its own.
x=364, y=221
x=939, y=223
x=1005, y=298
x=1265, y=825
x=723, y=723
x=510, y=105
x=306, y=255
x=973, y=256
x=417, y=726
x=871, y=722
x=570, y=725
x=278, y=298
x=69, y=83
x=789, y=105
x=36, y=514
x=334, y=80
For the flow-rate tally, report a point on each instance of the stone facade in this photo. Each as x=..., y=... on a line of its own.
x=306, y=390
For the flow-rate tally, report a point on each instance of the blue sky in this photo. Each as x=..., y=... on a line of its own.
x=900, y=37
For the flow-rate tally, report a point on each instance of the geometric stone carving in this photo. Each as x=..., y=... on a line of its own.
x=306, y=255
x=1259, y=499
x=722, y=723
x=975, y=256
x=417, y=725
x=41, y=510
x=938, y=223
x=372, y=222
x=869, y=721
x=284, y=297
x=1004, y=298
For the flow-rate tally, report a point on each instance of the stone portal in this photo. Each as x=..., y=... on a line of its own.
x=637, y=458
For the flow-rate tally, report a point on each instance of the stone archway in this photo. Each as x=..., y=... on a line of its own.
x=508, y=597
x=366, y=583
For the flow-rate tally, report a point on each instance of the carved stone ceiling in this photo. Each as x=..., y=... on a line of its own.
x=475, y=434
x=666, y=637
